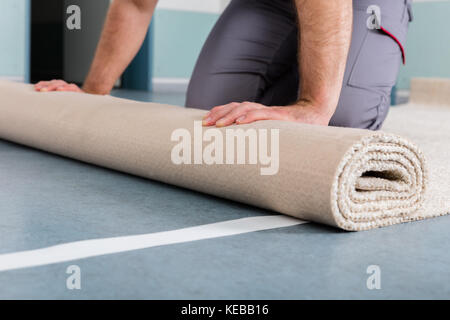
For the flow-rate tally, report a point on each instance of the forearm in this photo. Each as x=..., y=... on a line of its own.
x=124, y=31
x=324, y=40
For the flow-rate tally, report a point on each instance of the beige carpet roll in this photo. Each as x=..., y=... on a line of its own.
x=348, y=178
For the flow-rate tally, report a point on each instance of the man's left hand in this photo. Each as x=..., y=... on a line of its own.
x=247, y=112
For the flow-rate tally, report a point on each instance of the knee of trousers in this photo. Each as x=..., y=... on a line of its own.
x=361, y=108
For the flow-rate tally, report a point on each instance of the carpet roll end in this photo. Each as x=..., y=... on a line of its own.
x=380, y=181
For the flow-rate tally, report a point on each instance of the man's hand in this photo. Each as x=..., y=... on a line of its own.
x=247, y=112
x=56, y=85
x=325, y=33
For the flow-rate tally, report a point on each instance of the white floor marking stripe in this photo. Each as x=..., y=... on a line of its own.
x=97, y=247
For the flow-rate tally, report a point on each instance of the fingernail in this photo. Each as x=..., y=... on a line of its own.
x=206, y=115
x=220, y=123
x=43, y=89
x=240, y=119
x=206, y=121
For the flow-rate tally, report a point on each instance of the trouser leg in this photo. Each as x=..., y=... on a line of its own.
x=372, y=65
x=251, y=48
x=251, y=55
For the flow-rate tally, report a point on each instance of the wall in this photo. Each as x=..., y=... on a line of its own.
x=428, y=44
x=13, y=44
x=183, y=27
x=180, y=29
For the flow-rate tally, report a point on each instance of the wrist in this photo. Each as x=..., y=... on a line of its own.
x=305, y=112
x=324, y=109
x=95, y=88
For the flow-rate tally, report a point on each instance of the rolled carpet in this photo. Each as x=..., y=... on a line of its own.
x=349, y=178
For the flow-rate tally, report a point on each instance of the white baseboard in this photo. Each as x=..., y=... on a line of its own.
x=13, y=78
x=402, y=96
x=170, y=84
x=206, y=6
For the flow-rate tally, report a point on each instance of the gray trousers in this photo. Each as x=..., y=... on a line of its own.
x=251, y=55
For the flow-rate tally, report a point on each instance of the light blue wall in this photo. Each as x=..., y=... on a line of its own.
x=13, y=25
x=428, y=44
x=178, y=39
x=179, y=36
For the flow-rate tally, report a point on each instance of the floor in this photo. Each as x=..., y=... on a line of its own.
x=174, y=98
x=47, y=200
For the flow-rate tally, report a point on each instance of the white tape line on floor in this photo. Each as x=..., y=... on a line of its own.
x=97, y=247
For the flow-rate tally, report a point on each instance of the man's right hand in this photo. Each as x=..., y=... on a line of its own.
x=56, y=85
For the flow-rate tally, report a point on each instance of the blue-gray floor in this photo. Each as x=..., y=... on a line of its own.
x=47, y=200
x=174, y=98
